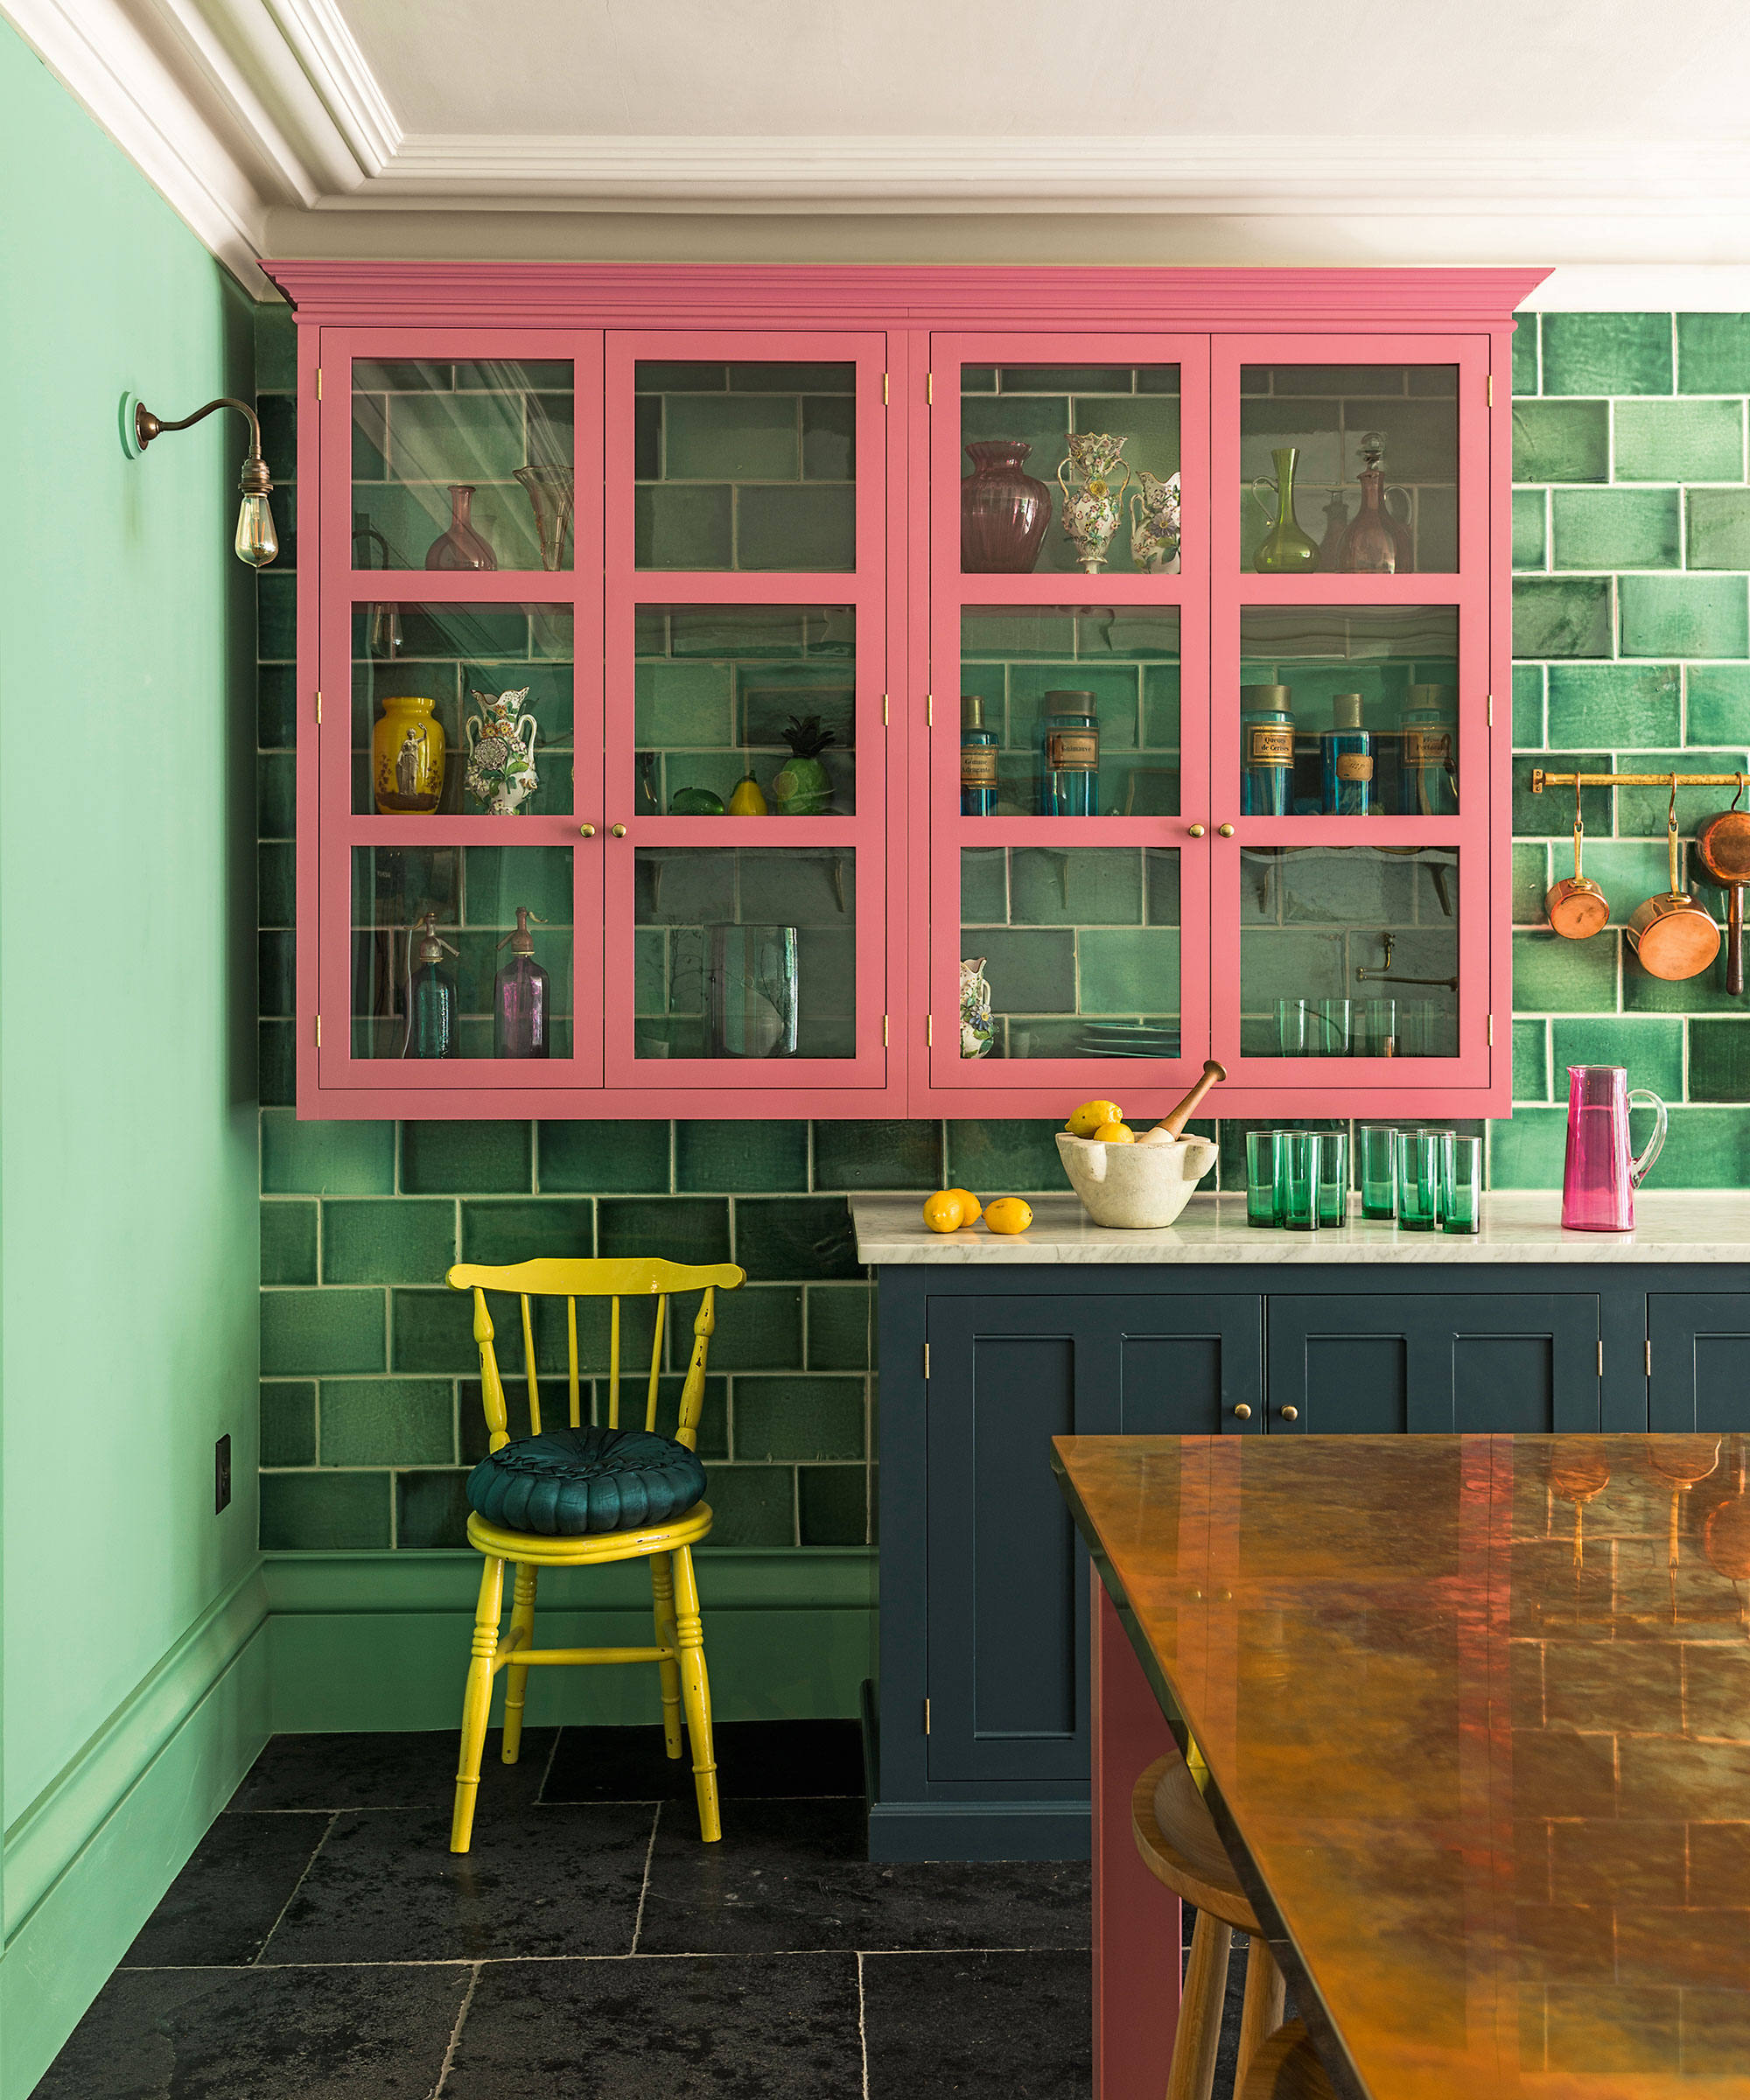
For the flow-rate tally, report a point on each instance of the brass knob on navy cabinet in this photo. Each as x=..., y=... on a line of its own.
x=1196, y=830
x=1291, y=1414
x=1244, y=1411
x=616, y=830
x=586, y=830
x=1226, y=831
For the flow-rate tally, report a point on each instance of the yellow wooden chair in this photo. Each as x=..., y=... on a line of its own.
x=679, y=1651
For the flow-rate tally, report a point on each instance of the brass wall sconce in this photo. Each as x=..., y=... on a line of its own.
x=256, y=542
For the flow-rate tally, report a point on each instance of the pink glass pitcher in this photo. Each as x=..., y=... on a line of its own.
x=1602, y=1175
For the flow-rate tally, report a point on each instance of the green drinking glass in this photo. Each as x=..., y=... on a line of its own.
x=1460, y=1183
x=1376, y=1150
x=1301, y=1155
x=1264, y=1177
x=1419, y=1179
x=1333, y=1178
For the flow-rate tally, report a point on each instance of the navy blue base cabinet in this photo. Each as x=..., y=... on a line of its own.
x=980, y=1718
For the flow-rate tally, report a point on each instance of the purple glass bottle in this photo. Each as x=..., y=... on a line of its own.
x=1004, y=512
x=522, y=1003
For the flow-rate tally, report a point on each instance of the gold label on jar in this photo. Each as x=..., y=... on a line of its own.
x=1354, y=766
x=1270, y=747
x=979, y=765
x=1073, y=749
x=1427, y=746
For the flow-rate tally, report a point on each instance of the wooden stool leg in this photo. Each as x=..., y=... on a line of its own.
x=521, y=1622
x=1193, y=2073
x=477, y=1702
x=662, y=1591
x=1261, y=2011
x=696, y=1692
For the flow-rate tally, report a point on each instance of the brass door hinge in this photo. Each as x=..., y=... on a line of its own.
x=884, y=711
x=929, y=388
x=1650, y=1355
x=319, y=1031
x=1600, y=1360
x=1488, y=385
x=926, y=1360
x=318, y=707
x=884, y=1032
x=1490, y=711
x=929, y=710
x=929, y=1032
x=319, y=382
x=1491, y=1032
x=883, y=390
x=926, y=1716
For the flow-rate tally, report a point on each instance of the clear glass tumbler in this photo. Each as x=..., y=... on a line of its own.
x=1460, y=1183
x=1376, y=1147
x=1419, y=1179
x=1293, y=1021
x=1335, y=1017
x=1379, y=1027
x=1300, y=1157
x=1264, y=1177
x=1333, y=1178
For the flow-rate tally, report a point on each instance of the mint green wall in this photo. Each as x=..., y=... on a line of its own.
x=128, y=1253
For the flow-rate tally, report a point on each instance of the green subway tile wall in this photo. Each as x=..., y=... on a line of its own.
x=1631, y=549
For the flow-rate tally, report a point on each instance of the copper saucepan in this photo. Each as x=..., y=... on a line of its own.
x=1575, y=907
x=1723, y=847
x=1672, y=934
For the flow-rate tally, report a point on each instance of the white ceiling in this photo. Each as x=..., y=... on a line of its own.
x=1575, y=131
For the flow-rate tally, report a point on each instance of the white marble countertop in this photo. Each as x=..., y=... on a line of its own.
x=1519, y=1226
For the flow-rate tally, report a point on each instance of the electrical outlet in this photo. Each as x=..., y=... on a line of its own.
x=221, y=1474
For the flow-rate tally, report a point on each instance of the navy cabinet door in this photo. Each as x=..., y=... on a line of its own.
x=1008, y=1579
x=1700, y=1348
x=1445, y=1365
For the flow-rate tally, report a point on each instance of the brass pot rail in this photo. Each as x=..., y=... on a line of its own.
x=1540, y=779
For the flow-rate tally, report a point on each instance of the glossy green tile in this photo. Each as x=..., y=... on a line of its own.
x=1679, y=440
x=276, y=884
x=1029, y=972
x=795, y=1238
x=752, y=1505
x=288, y=1243
x=725, y=438
x=431, y=1510
x=1553, y=975
x=1129, y=970
x=276, y=973
x=1719, y=1061
x=1641, y=812
x=398, y=1241
x=528, y=1231
x=276, y=347
x=1561, y=441
x=1718, y=525
x=1528, y=1150
x=276, y=706
x=1551, y=813
x=324, y=1512
x=276, y=794
x=1567, y=618
x=840, y=1325
x=388, y=1422
x=1685, y=616
x=713, y=1431
x=813, y=526
x=276, y=617
x=680, y=704
x=1707, y=1148
x=1626, y=870
x=1530, y=538
x=685, y=527
x=798, y=1418
x=1651, y=1050
x=877, y=1155
x=1525, y=378
x=833, y=1505
x=1704, y=995
x=1719, y=706
x=998, y=1156
x=828, y=438
x=736, y=1157
x=1713, y=353
x=1620, y=705
x=1530, y=884
x=1615, y=528
x=759, y=1328
x=275, y=1064
x=467, y=1158
x=288, y=1422
x=1530, y=1061
x=1606, y=352
x=1093, y=887
x=308, y=1333
x=434, y=1331
x=679, y=1229
x=1529, y=731
x=595, y=1159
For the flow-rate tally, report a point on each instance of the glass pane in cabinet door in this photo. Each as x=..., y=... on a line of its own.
x=462, y=951
x=746, y=952
x=1070, y=467
x=1311, y=918
x=1080, y=947
x=748, y=711
x=1068, y=711
x=434, y=684
x=1348, y=710
x=745, y=466
x=462, y=464
x=1368, y=456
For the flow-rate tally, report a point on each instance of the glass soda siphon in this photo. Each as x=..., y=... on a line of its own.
x=430, y=996
x=522, y=1008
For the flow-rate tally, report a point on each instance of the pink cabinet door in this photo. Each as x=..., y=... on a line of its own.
x=1065, y=759
x=749, y=841
x=458, y=455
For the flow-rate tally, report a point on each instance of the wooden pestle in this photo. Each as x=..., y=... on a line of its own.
x=1174, y=1121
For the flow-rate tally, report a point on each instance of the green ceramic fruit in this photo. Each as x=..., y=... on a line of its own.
x=695, y=802
x=804, y=788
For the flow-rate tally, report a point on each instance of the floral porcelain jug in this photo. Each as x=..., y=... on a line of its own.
x=976, y=1027
x=1091, y=509
x=501, y=753
x=1154, y=521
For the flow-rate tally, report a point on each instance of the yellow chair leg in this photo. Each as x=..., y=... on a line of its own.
x=522, y=1622
x=662, y=1591
x=477, y=1702
x=696, y=1692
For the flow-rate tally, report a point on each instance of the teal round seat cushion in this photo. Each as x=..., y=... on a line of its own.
x=566, y=1482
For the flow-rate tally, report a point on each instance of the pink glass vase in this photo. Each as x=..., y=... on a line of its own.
x=461, y=547
x=1602, y=1173
x=1004, y=512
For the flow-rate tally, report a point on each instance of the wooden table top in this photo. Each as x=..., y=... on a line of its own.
x=1483, y=1742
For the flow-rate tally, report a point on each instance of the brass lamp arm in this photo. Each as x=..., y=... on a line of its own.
x=255, y=480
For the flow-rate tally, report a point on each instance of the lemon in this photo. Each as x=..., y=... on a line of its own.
x=943, y=1211
x=1114, y=1133
x=1089, y=1117
x=1008, y=1213
x=971, y=1208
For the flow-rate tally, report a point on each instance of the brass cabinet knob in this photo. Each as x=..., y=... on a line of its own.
x=586, y=830
x=616, y=830
x=1226, y=831
x=1291, y=1414
x=1196, y=830
x=1244, y=1411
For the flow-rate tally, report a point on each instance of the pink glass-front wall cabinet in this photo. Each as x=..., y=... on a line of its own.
x=859, y=692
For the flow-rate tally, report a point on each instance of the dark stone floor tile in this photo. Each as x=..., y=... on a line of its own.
x=796, y=1874
x=757, y=2028
x=756, y=1760
x=386, y=1887
x=411, y=1770
x=980, y=2026
x=262, y=2034
x=222, y=1906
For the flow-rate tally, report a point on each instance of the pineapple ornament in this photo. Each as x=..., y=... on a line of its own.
x=804, y=788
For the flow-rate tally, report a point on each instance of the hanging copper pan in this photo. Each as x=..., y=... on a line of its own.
x=1723, y=847
x=1671, y=936
x=1575, y=907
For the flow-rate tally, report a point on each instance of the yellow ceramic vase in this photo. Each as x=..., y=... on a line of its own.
x=407, y=756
